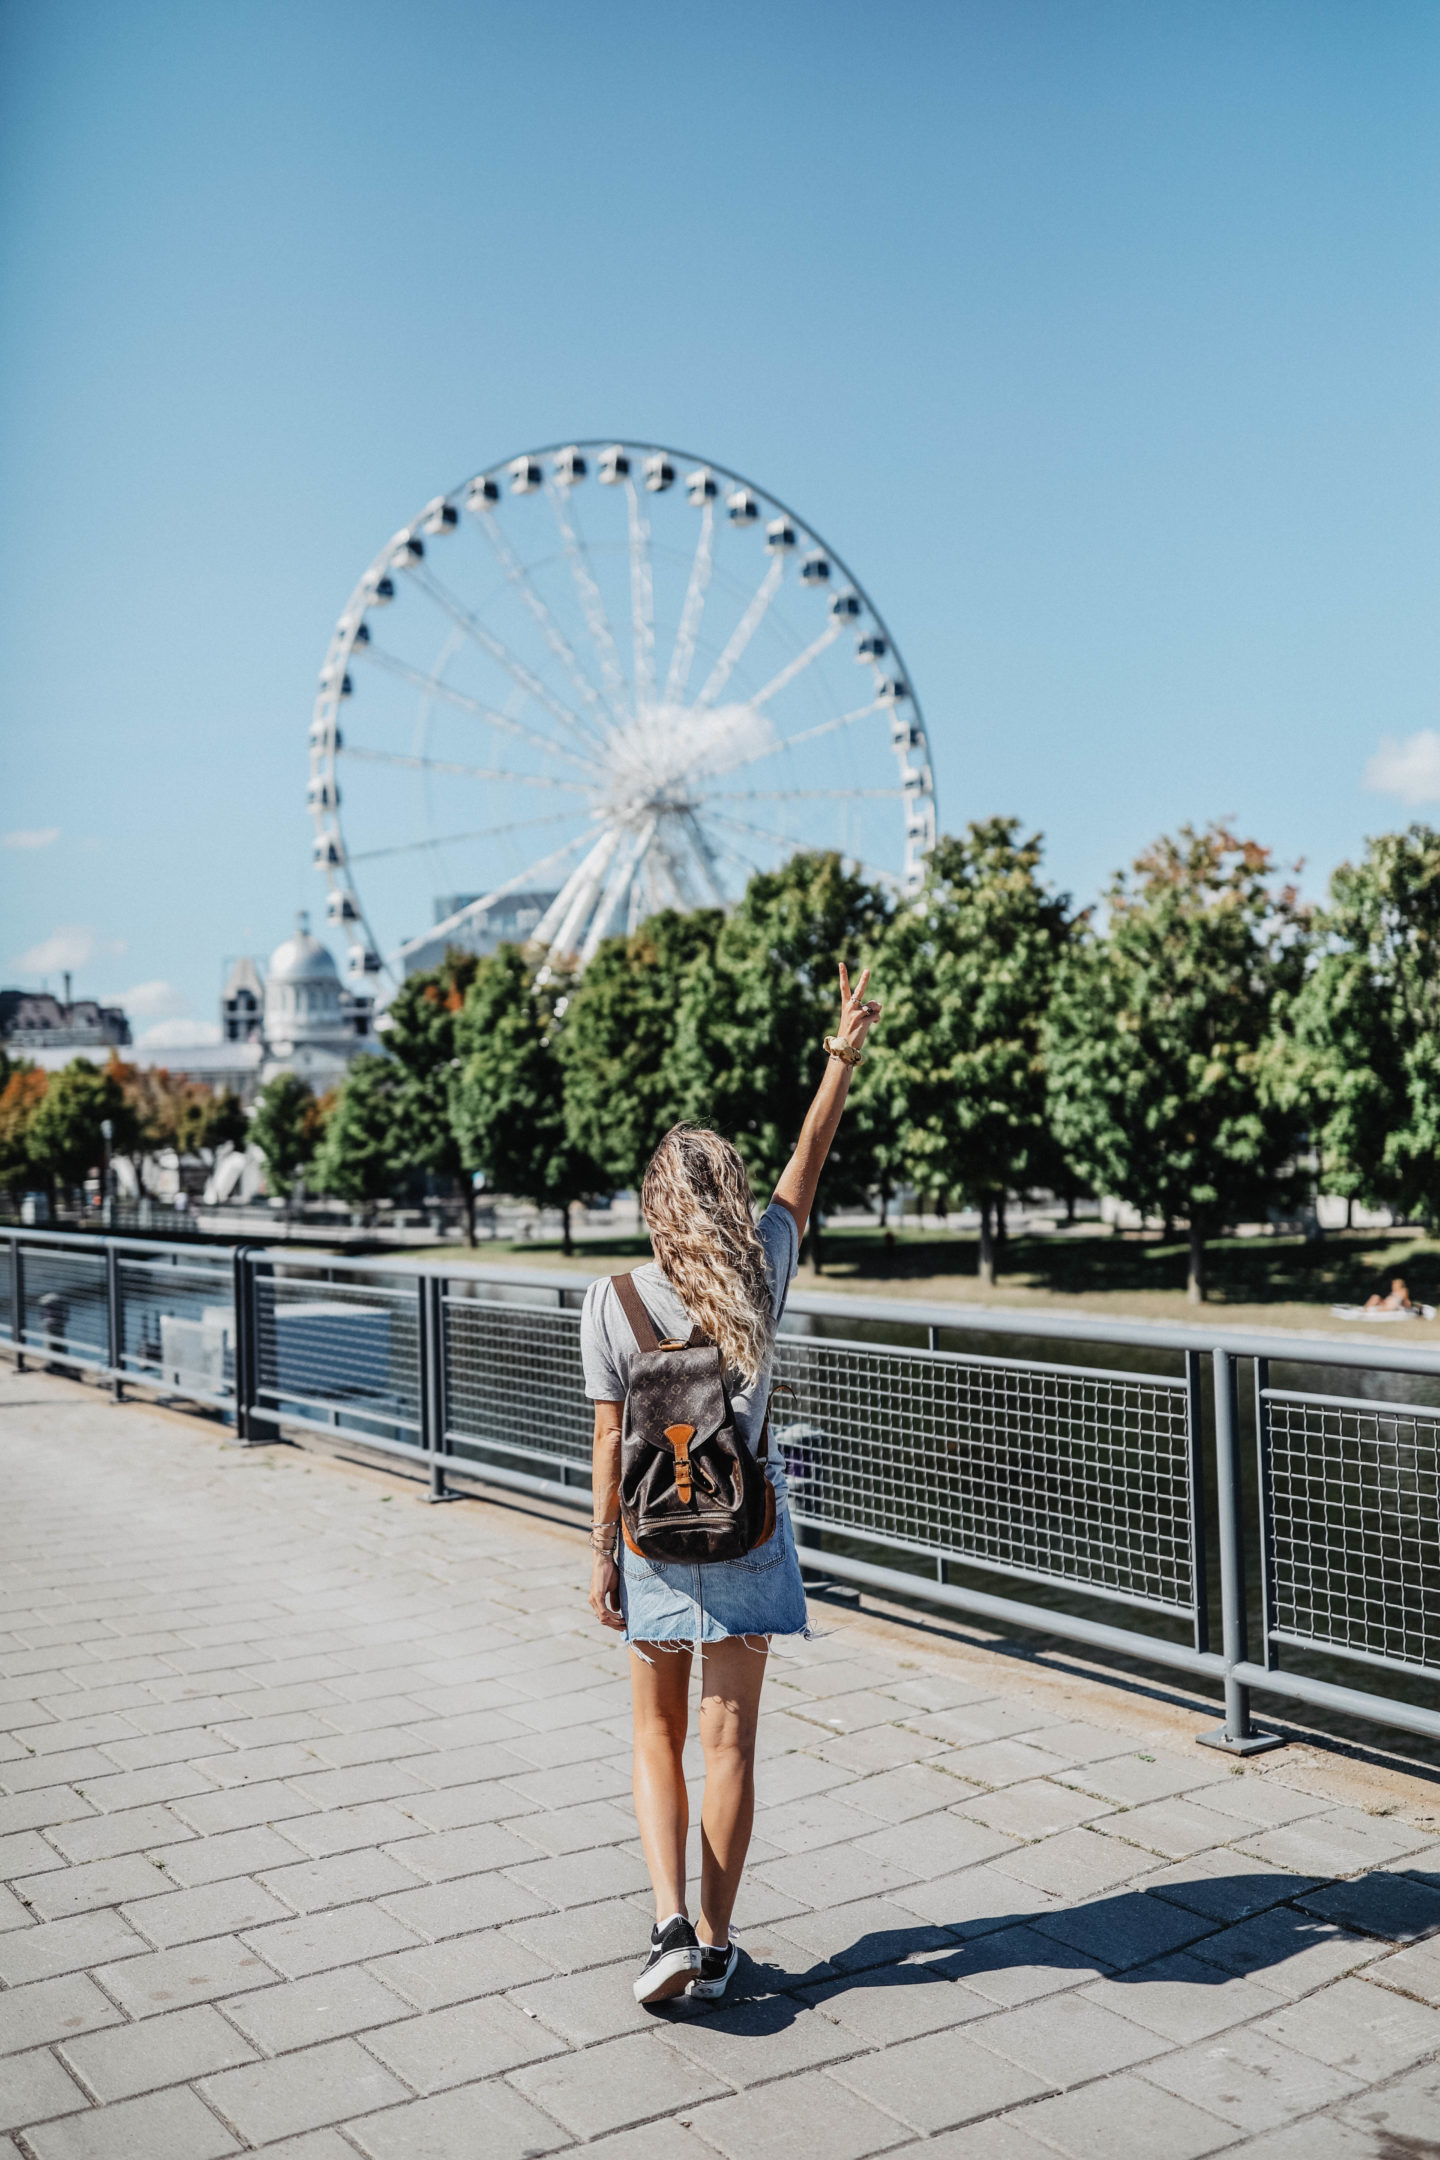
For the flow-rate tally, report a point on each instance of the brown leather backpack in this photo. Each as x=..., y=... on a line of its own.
x=690, y=1488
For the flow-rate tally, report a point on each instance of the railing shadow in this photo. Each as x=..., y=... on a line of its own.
x=1225, y=1927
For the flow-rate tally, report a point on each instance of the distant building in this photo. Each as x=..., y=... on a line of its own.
x=242, y=1003
x=313, y=1026
x=33, y=1020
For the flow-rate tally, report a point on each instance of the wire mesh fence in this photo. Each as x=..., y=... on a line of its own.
x=1060, y=1473
x=339, y=1352
x=177, y=1321
x=66, y=1304
x=514, y=1384
x=1352, y=1536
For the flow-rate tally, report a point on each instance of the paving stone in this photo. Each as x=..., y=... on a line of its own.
x=997, y=1763
x=320, y=1940
x=241, y=1807
x=1340, y=1842
x=1181, y=1999
x=102, y=1837
x=584, y=1878
x=1365, y=2031
x=129, y=2059
x=34, y=1772
x=834, y=1874
x=326, y=2006
x=940, y=2080
x=1130, y=1928
x=25, y=1852
x=468, y=1965
x=172, y=2125
x=1407, y=2108
x=975, y=1900
x=872, y=1931
x=1123, y=2118
x=617, y=2082
x=456, y=1806
x=1147, y=1774
x=1318, y=2138
x=1226, y=1885
x=1285, y=1951
x=900, y=1795
x=220, y=1908
x=878, y=1747
x=597, y=2004
x=455, y=1908
x=1393, y=1906
x=935, y=1845
x=578, y=1829
x=821, y=1819
x=83, y=1889
x=228, y=1852
x=60, y=1946
x=1412, y=1972
x=1256, y=1799
x=38, y=1810
x=304, y=2091
x=669, y=2140
x=1067, y=2040
x=476, y=2122
x=145, y=1788
x=1074, y=1863
x=1017, y=1965
x=146, y=1986
x=746, y=2043
x=1251, y=2080
x=316, y=1885
x=451, y=2047
x=367, y=1781
x=1035, y=1808
x=478, y=1765
x=469, y=1851
x=312, y=2145
x=896, y=2002
x=45, y=2010
x=34, y=2087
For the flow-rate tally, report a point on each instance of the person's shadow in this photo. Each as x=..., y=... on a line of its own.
x=1224, y=1926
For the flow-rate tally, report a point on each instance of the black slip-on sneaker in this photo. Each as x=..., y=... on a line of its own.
x=673, y=1962
x=717, y=1970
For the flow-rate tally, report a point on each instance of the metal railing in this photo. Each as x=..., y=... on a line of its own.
x=1112, y=1477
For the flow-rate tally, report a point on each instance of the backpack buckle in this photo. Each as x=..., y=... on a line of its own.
x=680, y=1437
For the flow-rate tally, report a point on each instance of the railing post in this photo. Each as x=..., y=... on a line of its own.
x=1237, y=1736
x=247, y=1353
x=17, y=1302
x=115, y=1320
x=432, y=1382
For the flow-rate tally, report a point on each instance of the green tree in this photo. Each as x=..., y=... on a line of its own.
x=64, y=1135
x=286, y=1128
x=966, y=977
x=617, y=1047
x=748, y=1045
x=509, y=1095
x=1358, y=1050
x=420, y=1034
x=20, y=1098
x=361, y=1156
x=1158, y=1039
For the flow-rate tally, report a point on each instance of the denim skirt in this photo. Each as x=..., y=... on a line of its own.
x=673, y=1601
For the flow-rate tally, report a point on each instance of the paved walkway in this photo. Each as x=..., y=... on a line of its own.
x=316, y=1831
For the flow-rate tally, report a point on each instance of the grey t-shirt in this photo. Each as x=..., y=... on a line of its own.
x=607, y=1345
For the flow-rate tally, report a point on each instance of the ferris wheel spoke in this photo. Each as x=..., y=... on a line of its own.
x=618, y=885
x=744, y=630
x=692, y=613
x=642, y=599
x=549, y=629
x=499, y=652
x=592, y=607
x=797, y=666
x=705, y=855
x=472, y=909
x=804, y=794
x=463, y=772
x=571, y=909
x=874, y=871
x=454, y=839
x=436, y=686
x=792, y=742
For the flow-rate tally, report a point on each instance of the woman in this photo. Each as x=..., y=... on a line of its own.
x=715, y=1268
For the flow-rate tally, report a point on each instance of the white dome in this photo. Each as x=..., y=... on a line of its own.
x=302, y=958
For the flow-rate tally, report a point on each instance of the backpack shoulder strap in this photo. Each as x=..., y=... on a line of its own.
x=642, y=1327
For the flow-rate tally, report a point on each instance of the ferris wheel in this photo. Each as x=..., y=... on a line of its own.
x=593, y=681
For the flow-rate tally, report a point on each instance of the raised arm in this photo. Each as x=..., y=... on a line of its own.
x=801, y=1176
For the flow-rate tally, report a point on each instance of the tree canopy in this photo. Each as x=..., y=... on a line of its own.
x=63, y=1134
x=1158, y=1031
x=286, y=1128
x=357, y=1158
x=420, y=1034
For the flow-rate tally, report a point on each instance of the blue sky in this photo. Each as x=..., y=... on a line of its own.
x=1100, y=338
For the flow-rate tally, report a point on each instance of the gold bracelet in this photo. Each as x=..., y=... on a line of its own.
x=846, y=1052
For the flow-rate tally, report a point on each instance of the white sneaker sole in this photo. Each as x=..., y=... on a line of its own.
x=712, y=1990
x=670, y=1975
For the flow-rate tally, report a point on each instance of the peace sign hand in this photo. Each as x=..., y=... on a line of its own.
x=856, y=1016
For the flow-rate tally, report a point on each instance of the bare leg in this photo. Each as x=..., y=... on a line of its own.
x=660, y=1694
x=733, y=1673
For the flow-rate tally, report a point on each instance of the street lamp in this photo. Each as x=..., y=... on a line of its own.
x=107, y=1134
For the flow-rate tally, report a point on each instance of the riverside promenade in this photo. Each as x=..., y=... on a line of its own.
x=316, y=1841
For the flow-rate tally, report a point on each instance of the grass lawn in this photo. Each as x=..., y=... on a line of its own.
x=1259, y=1281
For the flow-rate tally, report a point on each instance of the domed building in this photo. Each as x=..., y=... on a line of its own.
x=312, y=1025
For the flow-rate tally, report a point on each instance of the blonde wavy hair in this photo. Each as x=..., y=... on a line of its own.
x=696, y=1203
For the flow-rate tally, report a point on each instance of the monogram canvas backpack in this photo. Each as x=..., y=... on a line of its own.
x=690, y=1488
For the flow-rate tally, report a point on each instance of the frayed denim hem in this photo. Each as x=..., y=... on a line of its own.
x=752, y=1640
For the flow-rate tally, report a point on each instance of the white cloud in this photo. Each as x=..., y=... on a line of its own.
x=1409, y=769
x=180, y=1035
x=151, y=1001
x=31, y=837
x=73, y=946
